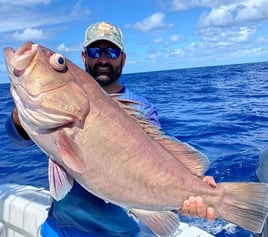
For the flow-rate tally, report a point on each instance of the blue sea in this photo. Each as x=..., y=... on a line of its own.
x=221, y=110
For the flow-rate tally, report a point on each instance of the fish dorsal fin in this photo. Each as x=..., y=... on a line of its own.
x=195, y=161
x=165, y=223
x=60, y=182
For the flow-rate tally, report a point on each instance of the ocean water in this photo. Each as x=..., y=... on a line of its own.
x=222, y=111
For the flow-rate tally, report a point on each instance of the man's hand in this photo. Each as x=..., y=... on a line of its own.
x=195, y=206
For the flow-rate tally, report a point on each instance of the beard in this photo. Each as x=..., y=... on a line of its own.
x=105, y=78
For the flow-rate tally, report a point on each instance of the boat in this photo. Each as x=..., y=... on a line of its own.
x=262, y=176
x=23, y=209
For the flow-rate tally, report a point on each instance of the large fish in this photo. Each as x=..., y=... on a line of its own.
x=112, y=151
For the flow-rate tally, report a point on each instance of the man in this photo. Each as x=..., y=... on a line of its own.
x=80, y=213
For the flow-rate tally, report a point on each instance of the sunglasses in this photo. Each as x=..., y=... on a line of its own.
x=97, y=52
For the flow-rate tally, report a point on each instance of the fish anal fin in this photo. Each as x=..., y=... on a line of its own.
x=60, y=182
x=70, y=153
x=165, y=223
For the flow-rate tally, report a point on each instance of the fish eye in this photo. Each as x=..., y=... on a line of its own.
x=58, y=62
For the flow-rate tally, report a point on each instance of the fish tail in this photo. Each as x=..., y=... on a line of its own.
x=245, y=204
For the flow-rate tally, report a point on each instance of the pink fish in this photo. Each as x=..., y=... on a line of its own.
x=112, y=150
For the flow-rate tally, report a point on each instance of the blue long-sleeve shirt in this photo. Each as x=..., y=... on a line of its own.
x=80, y=209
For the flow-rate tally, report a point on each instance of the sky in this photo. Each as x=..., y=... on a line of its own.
x=158, y=34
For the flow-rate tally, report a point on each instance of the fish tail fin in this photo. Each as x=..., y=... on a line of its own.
x=164, y=223
x=245, y=204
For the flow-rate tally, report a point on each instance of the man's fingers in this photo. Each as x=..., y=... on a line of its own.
x=200, y=207
x=185, y=207
x=194, y=206
x=210, y=214
x=210, y=181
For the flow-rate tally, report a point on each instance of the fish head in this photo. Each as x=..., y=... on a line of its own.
x=45, y=86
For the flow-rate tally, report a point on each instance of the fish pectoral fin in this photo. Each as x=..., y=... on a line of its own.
x=60, y=182
x=164, y=223
x=70, y=153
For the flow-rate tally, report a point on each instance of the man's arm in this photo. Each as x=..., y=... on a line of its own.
x=16, y=120
x=17, y=135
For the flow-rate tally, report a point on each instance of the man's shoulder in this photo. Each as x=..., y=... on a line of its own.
x=128, y=94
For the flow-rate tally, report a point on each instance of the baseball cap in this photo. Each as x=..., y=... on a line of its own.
x=104, y=31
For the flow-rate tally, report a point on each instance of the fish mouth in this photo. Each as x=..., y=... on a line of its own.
x=23, y=58
x=21, y=63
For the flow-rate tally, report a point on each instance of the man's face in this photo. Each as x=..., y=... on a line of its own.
x=103, y=69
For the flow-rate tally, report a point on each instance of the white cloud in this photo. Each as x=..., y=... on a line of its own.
x=132, y=62
x=225, y=12
x=234, y=13
x=245, y=33
x=227, y=37
x=253, y=11
x=24, y=2
x=177, y=5
x=63, y=48
x=222, y=16
x=174, y=38
x=252, y=51
x=155, y=21
x=154, y=56
x=262, y=39
x=29, y=34
x=177, y=52
x=181, y=5
x=18, y=15
x=158, y=40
